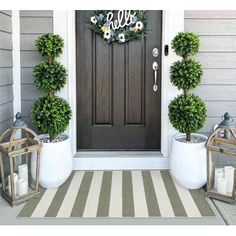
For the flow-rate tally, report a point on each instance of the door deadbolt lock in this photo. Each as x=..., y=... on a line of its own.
x=155, y=52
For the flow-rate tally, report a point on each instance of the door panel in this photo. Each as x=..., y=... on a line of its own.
x=102, y=81
x=117, y=108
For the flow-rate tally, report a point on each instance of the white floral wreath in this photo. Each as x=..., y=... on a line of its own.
x=127, y=25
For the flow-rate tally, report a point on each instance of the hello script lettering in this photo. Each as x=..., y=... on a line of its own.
x=124, y=18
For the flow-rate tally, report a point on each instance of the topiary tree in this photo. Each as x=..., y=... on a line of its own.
x=50, y=113
x=187, y=112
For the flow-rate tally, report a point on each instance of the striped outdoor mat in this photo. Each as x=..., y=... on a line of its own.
x=117, y=194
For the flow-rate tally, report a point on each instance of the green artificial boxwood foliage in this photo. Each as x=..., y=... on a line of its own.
x=49, y=76
x=50, y=45
x=186, y=74
x=50, y=113
x=187, y=112
x=185, y=44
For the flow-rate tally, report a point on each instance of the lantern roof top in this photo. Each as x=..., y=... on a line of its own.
x=227, y=122
x=13, y=144
x=19, y=122
x=224, y=136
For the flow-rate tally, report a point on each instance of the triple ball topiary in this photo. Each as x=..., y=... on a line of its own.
x=187, y=112
x=51, y=114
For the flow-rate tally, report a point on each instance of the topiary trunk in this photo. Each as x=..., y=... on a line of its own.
x=188, y=137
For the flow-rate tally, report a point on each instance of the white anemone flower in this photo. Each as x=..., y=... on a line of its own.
x=93, y=19
x=139, y=25
x=107, y=34
x=121, y=37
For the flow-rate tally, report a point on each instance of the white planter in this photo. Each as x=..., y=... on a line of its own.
x=55, y=163
x=188, y=162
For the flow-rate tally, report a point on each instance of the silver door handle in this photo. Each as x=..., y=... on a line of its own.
x=155, y=68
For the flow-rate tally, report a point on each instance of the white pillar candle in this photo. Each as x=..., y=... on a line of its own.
x=229, y=175
x=23, y=171
x=219, y=173
x=15, y=177
x=22, y=186
x=222, y=186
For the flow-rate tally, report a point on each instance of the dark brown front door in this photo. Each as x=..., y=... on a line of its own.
x=117, y=108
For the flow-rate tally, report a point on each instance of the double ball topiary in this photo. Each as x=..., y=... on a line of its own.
x=50, y=113
x=187, y=112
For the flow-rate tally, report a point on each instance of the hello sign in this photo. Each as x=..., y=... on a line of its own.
x=121, y=26
x=124, y=18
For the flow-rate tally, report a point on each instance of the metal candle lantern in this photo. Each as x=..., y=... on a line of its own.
x=221, y=161
x=19, y=160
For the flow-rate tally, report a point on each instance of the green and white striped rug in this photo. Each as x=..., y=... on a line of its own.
x=117, y=194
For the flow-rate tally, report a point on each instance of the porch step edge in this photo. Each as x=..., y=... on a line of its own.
x=120, y=163
x=118, y=154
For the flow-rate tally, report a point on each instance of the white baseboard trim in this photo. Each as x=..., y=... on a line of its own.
x=118, y=161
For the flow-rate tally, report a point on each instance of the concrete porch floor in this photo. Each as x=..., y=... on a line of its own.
x=225, y=215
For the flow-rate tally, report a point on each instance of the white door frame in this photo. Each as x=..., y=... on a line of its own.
x=173, y=22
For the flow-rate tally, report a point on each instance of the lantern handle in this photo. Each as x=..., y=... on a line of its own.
x=208, y=142
x=4, y=134
x=11, y=145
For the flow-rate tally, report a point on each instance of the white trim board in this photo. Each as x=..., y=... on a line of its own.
x=64, y=25
x=16, y=62
x=122, y=160
x=16, y=69
x=173, y=22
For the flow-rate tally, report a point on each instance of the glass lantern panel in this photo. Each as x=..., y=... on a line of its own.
x=230, y=146
x=5, y=176
x=25, y=167
x=222, y=168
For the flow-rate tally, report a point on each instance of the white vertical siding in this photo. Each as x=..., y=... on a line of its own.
x=217, y=32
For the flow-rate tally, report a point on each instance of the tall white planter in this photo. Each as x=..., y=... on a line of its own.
x=188, y=162
x=55, y=163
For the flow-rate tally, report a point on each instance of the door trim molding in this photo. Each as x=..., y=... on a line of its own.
x=172, y=23
x=64, y=25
